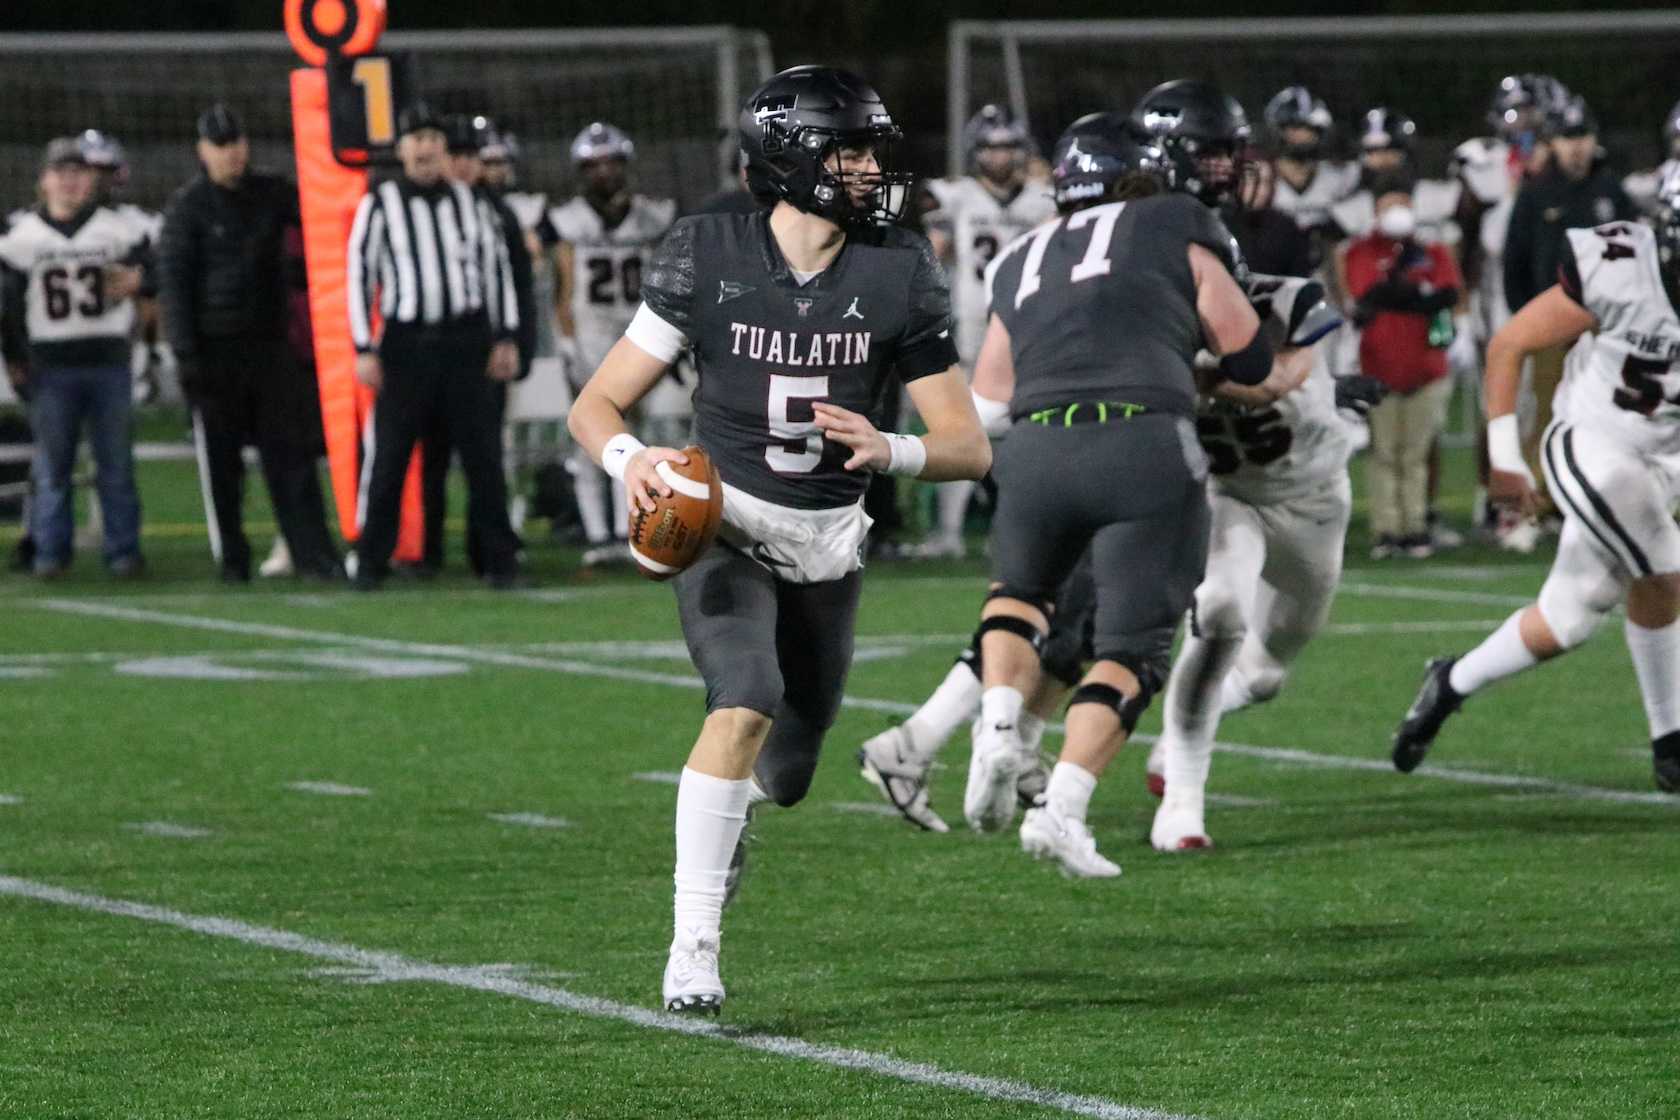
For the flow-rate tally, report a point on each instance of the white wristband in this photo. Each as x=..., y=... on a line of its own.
x=616, y=455
x=1505, y=446
x=994, y=415
x=909, y=454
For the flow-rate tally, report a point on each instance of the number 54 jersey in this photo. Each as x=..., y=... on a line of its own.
x=1622, y=380
x=767, y=347
x=607, y=267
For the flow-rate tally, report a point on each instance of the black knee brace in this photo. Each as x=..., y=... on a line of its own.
x=1149, y=677
x=1042, y=604
x=1009, y=624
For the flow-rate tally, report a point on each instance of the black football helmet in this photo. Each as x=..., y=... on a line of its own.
x=794, y=123
x=1522, y=102
x=1381, y=128
x=1203, y=131
x=1296, y=107
x=1095, y=152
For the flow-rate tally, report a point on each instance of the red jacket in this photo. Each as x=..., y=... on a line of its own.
x=1394, y=345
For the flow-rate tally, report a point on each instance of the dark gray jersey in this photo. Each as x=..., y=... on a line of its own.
x=1101, y=304
x=767, y=347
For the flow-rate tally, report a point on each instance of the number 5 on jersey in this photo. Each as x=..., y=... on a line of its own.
x=798, y=446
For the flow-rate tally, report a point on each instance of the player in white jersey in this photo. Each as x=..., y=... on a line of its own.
x=969, y=220
x=151, y=358
x=1281, y=502
x=602, y=239
x=1612, y=460
x=1641, y=186
x=71, y=271
x=1308, y=184
x=1491, y=168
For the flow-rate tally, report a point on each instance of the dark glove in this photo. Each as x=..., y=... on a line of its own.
x=191, y=376
x=1359, y=394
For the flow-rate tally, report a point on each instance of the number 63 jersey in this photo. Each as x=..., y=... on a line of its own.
x=1622, y=379
x=1298, y=443
x=607, y=266
x=61, y=267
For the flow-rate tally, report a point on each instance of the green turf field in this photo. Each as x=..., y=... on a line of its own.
x=467, y=915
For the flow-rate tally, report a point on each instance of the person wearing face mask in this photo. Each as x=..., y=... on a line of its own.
x=1574, y=192
x=601, y=240
x=1402, y=288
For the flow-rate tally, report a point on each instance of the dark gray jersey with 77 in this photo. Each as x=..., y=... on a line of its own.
x=1101, y=304
x=767, y=347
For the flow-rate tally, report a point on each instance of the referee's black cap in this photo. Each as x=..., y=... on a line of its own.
x=418, y=117
x=220, y=125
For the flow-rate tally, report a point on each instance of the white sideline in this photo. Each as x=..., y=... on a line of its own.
x=329, y=789
x=501, y=980
x=891, y=707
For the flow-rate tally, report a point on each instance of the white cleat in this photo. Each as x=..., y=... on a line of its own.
x=279, y=562
x=1178, y=828
x=890, y=764
x=1155, y=770
x=1047, y=834
x=939, y=548
x=692, y=985
x=1034, y=781
x=998, y=761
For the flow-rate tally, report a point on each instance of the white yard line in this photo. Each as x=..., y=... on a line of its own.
x=1360, y=590
x=10, y=799
x=169, y=830
x=891, y=707
x=660, y=777
x=501, y=980
x=329, y=789
x=864, y=808
x=530, y=820
x=1422, y=626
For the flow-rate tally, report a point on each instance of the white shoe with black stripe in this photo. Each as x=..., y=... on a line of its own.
x=692, y=985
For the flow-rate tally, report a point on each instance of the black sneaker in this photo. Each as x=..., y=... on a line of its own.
x=1435, y=701
x=1665, y=762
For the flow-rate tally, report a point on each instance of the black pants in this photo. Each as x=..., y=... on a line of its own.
x=435, y=454
x=780, y=649
x=435, y=382
x=251, y=391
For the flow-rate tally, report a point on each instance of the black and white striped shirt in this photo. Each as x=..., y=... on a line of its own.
x=431, y=255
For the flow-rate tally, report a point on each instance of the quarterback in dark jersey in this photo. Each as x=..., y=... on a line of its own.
x=1096, y=321
x=797, y=316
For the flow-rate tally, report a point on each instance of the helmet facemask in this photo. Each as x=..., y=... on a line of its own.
x=845, y=177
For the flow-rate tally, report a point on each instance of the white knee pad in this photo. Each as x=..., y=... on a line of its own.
x=1219, y=612
x=1583, y=586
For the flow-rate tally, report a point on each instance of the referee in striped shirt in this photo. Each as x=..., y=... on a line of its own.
x=429, y=255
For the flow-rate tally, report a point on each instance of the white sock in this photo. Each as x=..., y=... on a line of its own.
x=1656, y=662
x=1234, y=695
x=952, y=704
x=710, y=815
x=1501, y=655
x=1070, y=789
x=589, y=482
x=953, y=505
x=1032, y=730
x=756, y=794
x=1196, y=694
x=1001, y=705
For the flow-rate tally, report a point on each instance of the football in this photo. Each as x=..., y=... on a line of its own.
x=673, y=535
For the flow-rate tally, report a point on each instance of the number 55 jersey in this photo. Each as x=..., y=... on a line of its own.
x=1298, y=444
x=1621, y=380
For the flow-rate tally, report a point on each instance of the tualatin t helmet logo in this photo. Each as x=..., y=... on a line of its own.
x=1163, y=119
x=772, y=109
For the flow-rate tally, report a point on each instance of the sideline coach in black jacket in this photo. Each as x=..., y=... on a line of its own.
x=224, y=292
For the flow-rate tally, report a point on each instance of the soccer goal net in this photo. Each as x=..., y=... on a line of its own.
x=1439, y=70
x=675, y=91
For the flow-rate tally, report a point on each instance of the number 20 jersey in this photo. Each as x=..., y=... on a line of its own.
x=607, y=267
x=1622, y=379
x=767, y=347
x=981, y=224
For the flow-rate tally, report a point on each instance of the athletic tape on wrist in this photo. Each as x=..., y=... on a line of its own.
x=908, y=454
x=1505, y=445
